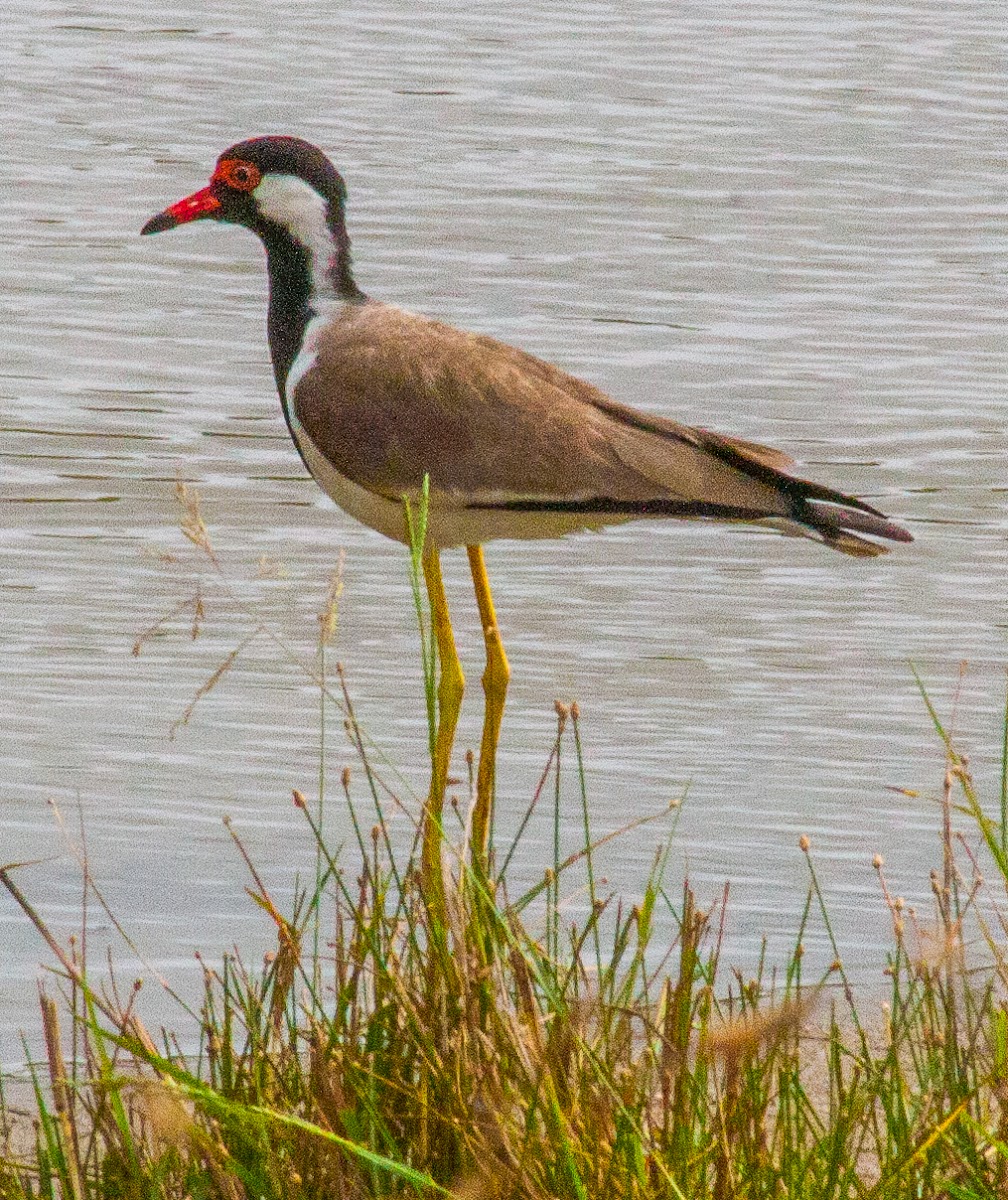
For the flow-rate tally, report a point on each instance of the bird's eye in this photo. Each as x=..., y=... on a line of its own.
x=238, y=174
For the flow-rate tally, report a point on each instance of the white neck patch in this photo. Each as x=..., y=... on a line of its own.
x=289, y=201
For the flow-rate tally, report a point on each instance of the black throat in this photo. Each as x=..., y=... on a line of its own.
x=294, y=290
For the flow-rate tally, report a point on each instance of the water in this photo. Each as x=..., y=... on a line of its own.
x=790, y=226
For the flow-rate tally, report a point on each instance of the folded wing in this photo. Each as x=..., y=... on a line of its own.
x=393, y=397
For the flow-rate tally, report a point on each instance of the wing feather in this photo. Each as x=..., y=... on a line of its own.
x=394, y=396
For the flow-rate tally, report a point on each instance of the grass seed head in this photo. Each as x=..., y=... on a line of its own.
x=737, y=1040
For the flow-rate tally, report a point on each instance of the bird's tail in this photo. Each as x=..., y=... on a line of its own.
x=838, y=524
x=822, y=512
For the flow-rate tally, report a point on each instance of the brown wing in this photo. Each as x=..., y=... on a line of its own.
x=393, y=396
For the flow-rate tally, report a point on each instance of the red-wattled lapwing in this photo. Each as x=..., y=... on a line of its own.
x=377, y=398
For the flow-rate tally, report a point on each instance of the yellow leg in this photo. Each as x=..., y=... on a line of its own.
x=450, y=687
x=495, y=684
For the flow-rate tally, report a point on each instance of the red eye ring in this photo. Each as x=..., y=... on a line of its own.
x=238, y=174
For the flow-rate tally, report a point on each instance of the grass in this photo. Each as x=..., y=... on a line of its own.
x=499, y=1045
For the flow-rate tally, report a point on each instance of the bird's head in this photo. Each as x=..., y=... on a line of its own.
x=278, y=181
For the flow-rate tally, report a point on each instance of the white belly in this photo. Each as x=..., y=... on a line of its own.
x=365, y=506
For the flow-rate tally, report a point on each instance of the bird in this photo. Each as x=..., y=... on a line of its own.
x=386, y=406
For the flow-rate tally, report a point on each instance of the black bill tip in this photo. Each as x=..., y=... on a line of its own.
x=163, y=221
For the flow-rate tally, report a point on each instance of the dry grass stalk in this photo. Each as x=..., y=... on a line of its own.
x=194, y=602
x=327, y=618
x=193, y=526
x=63, y=1105
x=211, y=682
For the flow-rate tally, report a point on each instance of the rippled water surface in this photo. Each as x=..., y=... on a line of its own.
x=790, y=225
